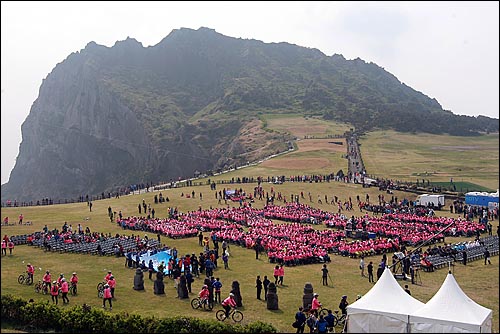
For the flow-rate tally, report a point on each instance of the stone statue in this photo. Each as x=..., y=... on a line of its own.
x=235, y=289
x=139, y=279
x=272, y=297
x=159, y=286
x=308, y=296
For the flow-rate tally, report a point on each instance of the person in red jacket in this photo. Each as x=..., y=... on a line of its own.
x=204, y=293
x=74, y=281
x=46, y=279
x=64, y=291
x=107, y=296
x=315, y=305
x=106, y=278
x=228, y=303
x=10, y=244
x=112, y=285
x=54, y=292
x=30, y=270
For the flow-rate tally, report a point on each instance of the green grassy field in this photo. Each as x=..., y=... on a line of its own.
x=478, y=281
x=432, y=157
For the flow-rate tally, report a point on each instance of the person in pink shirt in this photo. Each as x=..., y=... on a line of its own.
x=64, y=291
x=30, y=270
x=228, y=303
x=46, y=279
x=315, y=305
x=276, y=274
x=112, y=285
x=74, y=281
x=107, y=296
x=281, y=274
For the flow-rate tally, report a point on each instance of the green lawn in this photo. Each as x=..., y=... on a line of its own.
x=437, y=158
x=478, y=281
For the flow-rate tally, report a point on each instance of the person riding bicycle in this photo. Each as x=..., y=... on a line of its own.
x=74, y=281
x=30, y=270
x=315, y=305
x=228, y=303
x=343, y=304
x=203, y=295
x=47, y=279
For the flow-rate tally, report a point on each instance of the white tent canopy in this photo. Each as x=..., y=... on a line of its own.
x=451, y=311
x=383, y=309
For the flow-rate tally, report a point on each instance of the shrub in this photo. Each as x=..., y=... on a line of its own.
x=85, y=319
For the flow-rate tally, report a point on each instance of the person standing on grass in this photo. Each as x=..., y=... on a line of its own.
x=217, y=285
x=54, y=292
x=276, y=274
x=281, y=275
x=112, y=285
x=265, y=285
x=258, y=285
x=370, y=272
x=64, y=291
x=362, y=266
x=300, y=319
x=4, y=247
x=74, y=282
x=225, y=259
x=107, y=296
x=487, y=256
x=325, y=275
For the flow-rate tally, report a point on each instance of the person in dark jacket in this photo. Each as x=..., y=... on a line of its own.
x=300, y=320
x=258, y=285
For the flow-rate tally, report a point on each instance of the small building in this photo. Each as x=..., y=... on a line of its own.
x=483, y=199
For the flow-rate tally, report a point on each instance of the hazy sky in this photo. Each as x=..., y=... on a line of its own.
x=446, y=50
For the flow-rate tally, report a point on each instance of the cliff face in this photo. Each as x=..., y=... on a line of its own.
x=109, y=117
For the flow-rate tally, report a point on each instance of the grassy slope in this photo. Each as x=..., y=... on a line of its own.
x=470, y=159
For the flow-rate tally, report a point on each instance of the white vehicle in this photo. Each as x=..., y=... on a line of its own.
x=436, y=201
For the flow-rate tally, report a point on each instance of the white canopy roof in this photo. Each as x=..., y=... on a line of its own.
x=385, y=308
x=451, y=311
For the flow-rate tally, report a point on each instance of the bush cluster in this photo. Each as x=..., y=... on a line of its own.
x=45, y=316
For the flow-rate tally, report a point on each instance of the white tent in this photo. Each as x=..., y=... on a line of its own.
x=451, y=311
x=383, y=309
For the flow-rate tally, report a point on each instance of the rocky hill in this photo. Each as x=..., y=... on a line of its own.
x=108, y=117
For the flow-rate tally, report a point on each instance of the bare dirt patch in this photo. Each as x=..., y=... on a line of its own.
x=307, y=145
x=294, y=163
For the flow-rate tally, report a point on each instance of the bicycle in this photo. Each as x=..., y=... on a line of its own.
x=197, y=303
x=41, y=287
x=234, y=314
x=321, y=311
x=25, y=279
x=339, y=320
x=100, y=290
x=72, y=289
